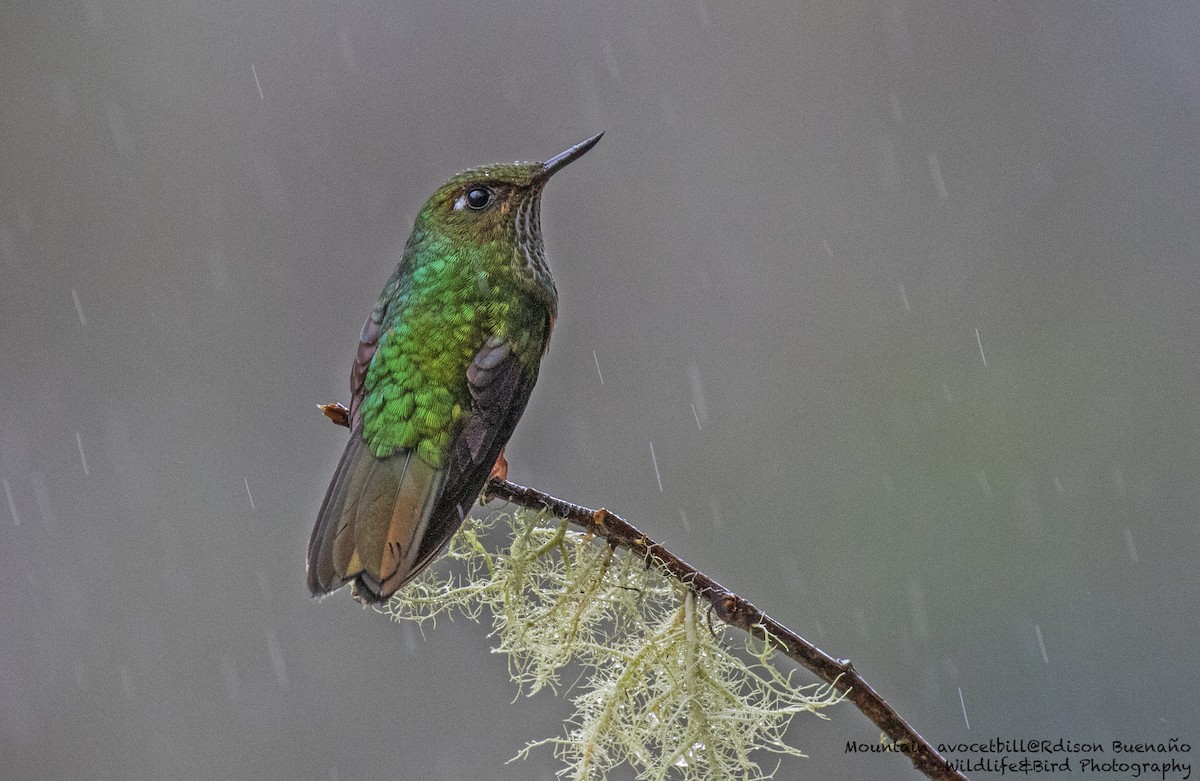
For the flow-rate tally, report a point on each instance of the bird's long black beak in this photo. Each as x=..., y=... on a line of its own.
x=569, y=156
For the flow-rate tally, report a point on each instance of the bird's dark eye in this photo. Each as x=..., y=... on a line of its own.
x=478, y=197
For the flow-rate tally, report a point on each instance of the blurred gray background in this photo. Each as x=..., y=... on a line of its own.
x=903, y=294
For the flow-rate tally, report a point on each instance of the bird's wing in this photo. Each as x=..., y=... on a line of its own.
x=500, y=387
x=368, y=343
x=385, y=518
x=393, y=299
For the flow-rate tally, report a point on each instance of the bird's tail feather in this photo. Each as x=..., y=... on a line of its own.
x=373, y=521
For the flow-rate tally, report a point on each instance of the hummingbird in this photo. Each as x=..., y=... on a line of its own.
x=444, y=368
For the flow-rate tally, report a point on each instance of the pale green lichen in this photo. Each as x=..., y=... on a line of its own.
x=659, y=688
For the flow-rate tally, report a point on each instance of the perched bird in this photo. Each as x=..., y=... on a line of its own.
x=445, y=365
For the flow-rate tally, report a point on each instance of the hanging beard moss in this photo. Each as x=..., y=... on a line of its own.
x=660, y=689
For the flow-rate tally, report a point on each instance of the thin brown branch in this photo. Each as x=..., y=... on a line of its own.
x=730, y=608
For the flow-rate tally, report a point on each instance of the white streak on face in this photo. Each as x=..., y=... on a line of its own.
x=461, y=203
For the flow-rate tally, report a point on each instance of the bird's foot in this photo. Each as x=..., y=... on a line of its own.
x=336, y=412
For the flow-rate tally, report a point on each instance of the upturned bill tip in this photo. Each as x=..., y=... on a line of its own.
x=574, y=153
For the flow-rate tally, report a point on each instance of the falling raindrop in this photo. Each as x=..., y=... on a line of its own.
x=12, y=506
x=598, y=372
x=963, y=703
x=699, y=404
x=687, y=527
x=979, y=341
x=935, y=170
x=249, y=495
x=903, y=297
x=696, y=415
x=254, y=72
x=82, y=457
x=654, y=460
x=1037, y=632
x=1058, y=486
x=78, y=307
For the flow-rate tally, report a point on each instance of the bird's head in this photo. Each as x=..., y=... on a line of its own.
x=499, y=207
